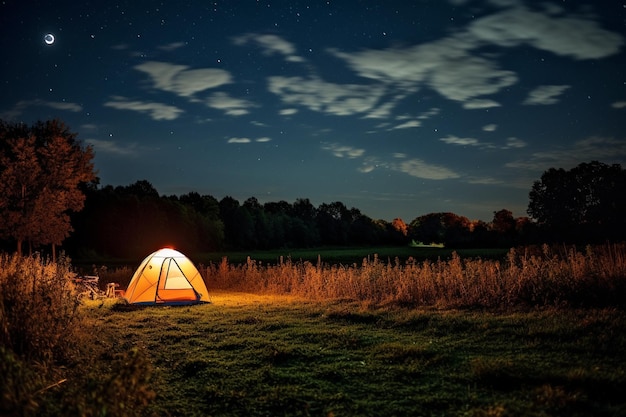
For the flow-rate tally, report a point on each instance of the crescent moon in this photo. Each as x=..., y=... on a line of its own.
x=48, y=39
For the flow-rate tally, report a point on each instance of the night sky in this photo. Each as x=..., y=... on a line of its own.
x=398, y=107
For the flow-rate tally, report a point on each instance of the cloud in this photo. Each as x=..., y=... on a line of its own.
x=511, y=143
x=490, y=127
x=484, y=181
x=230, y=105
x=446, y=65
x=594, y=148
x=157, y=111
x=181, y=80
x=239, y=140
x=420, y=169
x=457, y=67
x=172, y=46
x=264, y=139
x=454, y=140
x=342, y=151
x=288, y=112
x=414, y=167
x=573, y=36
x=480, y=104
x=619, y=105
x=514, y=143
x=22, y=105
x=545, y=95
x=407, y=125
x=428, y=114
x=111, y=147
x=271, y=45
x=321, y=96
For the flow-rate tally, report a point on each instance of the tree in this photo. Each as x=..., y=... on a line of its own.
x=400, y=226
x=503, y=222
x=41, y=170
x=586, y=202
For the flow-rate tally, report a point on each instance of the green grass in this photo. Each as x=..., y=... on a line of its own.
x=258, y=355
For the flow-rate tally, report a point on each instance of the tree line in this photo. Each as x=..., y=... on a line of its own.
x=50, y=195
x=134, y=219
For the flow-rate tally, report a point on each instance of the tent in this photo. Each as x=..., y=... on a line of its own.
x=166, y=277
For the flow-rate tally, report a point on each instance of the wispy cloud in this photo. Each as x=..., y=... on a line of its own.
x=414, y=167
x=490, y=127
x=239, y=140
x=510, y=143
x=270, y=45
x=407, y=125
x=112, y=147
x=545, y=94
x=455, y=140
x=574, y=36
x=343, y=151
x=602, y=149
x=452, y=67
x=288, y=112
x=181, y=80
x=172, y=46
x=446, y=65
x=230, y=105
x=264, y=139
x=157, y=111
x=480, y=104
x=514, y=143
x=22, y=105
x=421, y=169
x=322, y=96
x=619, y=105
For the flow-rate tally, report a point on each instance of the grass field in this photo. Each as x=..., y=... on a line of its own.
x=538, y=332
x=255, y=355
x=350, y=255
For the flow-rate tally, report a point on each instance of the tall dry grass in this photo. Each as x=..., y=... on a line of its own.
x=38, y=323
x=542, y=276
x=45, y=343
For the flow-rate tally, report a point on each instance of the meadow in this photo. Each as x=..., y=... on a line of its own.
x=538, y=332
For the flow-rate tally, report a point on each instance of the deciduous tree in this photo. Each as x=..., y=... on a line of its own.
x=41, y=168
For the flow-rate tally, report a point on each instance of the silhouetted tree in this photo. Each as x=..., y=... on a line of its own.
x=586, y=202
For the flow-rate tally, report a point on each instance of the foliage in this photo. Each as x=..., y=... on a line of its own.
x=528, y=277
x=41, y=168
x=585, y=203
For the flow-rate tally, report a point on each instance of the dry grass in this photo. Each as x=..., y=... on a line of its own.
x=47, y=349
x=528, y=277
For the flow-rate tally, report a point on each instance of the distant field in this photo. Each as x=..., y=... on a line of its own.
x=348, y=256
x=261, y=355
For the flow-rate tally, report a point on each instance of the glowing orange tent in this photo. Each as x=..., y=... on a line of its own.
x=166, y=277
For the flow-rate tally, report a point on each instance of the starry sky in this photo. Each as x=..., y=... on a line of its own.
x=398, y=108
